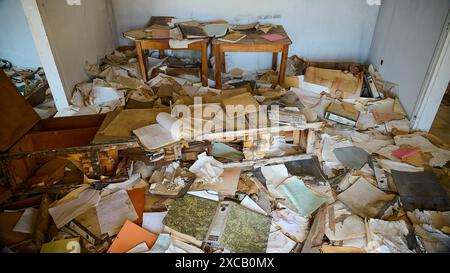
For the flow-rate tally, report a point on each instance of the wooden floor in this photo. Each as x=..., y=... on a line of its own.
x=441, y=125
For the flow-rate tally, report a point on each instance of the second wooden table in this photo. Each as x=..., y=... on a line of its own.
x=254, y=43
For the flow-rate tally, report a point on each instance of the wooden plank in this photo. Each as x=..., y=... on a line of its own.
x=17, y=116
x=241, y=133
x=267, y=161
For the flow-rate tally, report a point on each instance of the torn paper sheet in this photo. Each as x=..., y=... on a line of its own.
x=207, y=169
x=342, y=225
x=433, y=240
x=279, y=243
x=291, y=224
x=153, y=221
x=130, y=183
x=438, y=219
x=387, y=237
x=227, y=186
x=275, y=175
x=252, y=205
x=64, y=212
x=114, y=210
x=373, y=202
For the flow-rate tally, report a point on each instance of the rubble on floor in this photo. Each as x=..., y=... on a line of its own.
x=32, y=84
x=326, y=175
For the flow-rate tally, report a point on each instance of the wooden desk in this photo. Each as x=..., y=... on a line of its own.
x=161, y=45
x=253, y=43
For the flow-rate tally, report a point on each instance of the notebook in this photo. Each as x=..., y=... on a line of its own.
x=273, y=37
x=233, y=37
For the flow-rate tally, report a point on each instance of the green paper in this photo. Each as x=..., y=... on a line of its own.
x=304, y=200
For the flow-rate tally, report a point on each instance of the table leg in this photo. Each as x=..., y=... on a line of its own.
x=275, y=61
x=224, y=68
x=162, y=55
x=284, y=57
x=142, y=61
x=204, y=64
x=218, y=67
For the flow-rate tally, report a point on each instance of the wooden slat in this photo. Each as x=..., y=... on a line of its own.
x=17, y=116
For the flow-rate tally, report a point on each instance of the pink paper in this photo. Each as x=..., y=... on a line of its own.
x=405, y=153
x=273, y=37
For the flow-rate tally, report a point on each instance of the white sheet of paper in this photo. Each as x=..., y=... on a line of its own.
x=113, y=211
x=275, y=175
x=291, y=223
x=369, y=206
x=210, y=195
x=251, y=205
x=27, y=221
x=279, y=243
x=66, y=212
x=153, y=221
x=140, y=248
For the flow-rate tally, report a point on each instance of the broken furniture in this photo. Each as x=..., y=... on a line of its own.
x=253, y=42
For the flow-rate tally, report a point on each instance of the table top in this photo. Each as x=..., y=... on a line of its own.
x=254, y=38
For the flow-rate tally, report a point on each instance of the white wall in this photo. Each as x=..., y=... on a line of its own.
x=16, y=43
x=406, y=37
x=78, y=34
x=319, y=29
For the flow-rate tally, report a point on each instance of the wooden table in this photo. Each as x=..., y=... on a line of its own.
x=253, y=43
x=161, y=45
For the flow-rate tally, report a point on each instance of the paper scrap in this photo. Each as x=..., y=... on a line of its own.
x=114, y=210
x=153, y=221
x=27, y=221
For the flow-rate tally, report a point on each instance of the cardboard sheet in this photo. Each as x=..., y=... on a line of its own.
x=128, y=120
x=346, y=83
x=130, y=236
x=62, y=246
x=137, y=197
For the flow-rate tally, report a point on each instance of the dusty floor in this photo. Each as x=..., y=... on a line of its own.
x=441, y=125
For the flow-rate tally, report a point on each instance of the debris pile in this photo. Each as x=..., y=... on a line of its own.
x=335, y=167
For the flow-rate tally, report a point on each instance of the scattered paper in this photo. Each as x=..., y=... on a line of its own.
x=153, y=222
x=67, y=211
x=207, y=169
x=114, y=210
x=372, y=202
x=130, y=236
x=27, y=221
x=304, y=200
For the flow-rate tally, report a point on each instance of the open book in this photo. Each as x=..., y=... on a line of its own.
x=166, y=132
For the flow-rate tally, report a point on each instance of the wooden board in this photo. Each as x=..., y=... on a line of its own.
x=17, y=116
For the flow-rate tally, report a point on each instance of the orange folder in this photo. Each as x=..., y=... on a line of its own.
x=130, y=236
x=137, y=197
